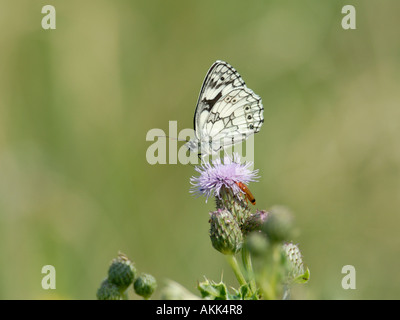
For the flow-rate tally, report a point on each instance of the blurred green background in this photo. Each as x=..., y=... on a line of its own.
x=77, y=102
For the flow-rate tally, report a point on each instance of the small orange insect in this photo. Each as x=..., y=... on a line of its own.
x=246, y=190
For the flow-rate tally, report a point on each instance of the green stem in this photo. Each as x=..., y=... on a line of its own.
x=125, y=295
x=270, y=285
x=236, y=269
x=246, y=258
x=267, y=289
x=269, y=278
x=276, y=253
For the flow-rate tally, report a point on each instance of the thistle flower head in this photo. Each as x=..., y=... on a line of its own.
x=217, y=175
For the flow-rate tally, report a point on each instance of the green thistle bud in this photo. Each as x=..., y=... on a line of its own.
x=254, y=222
x=294, y=263
x=234, y=203
x=145, y=285
x=122, y=272
x=257, y=243
x=225, y=233
x=279, y=225
x=108, y=291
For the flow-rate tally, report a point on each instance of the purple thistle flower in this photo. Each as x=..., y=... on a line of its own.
x=216, y=175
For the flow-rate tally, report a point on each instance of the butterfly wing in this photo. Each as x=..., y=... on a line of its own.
x=227, y=111
x=235, y=117
x=220, y=79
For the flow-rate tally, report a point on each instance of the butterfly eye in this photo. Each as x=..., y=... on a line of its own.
x=251, y=127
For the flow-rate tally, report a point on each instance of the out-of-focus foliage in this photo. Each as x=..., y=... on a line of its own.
x=76, y=104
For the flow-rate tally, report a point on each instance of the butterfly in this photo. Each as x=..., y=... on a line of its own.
x=227, y=112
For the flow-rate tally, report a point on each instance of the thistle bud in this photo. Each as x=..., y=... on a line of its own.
x=108, y=291
x=279, y=225
x=225, y=233
x=145, y=285
x=234, y=203
x=254, y=222
x=121, y=272
x=257, y=243
x=294, y=263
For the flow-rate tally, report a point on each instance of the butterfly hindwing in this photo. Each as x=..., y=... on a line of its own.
x=240, y=111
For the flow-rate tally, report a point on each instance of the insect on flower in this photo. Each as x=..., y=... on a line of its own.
x=247, y=192
x=230, y=174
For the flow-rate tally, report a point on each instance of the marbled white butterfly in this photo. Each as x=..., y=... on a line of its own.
x=227, y=112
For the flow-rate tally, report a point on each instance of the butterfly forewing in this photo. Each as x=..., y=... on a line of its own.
x=227, y=111
x=220, y=79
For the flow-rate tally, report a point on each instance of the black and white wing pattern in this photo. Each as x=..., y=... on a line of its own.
x=227, y=112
